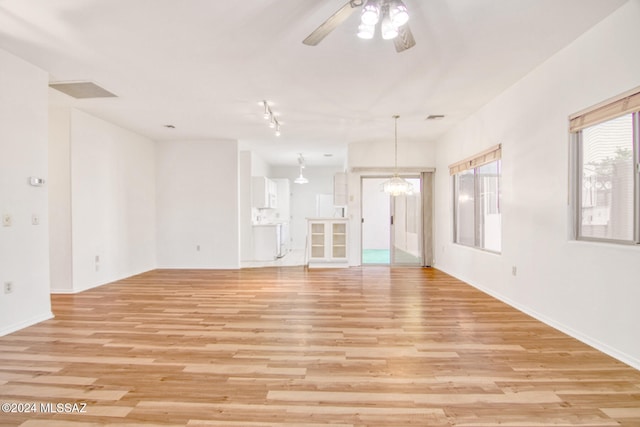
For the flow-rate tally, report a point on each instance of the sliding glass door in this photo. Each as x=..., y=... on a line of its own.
x=391, y=226
x=406, y=229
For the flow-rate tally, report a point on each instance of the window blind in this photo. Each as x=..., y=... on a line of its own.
x=619, y=106
x=487, y=156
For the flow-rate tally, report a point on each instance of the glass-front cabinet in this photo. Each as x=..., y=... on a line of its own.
x=327, y=242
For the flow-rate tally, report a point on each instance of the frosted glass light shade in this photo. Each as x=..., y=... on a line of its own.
x=398, y=13
x=301, y=179
x=389, y=31
x=370, y=13
x=366, y=31
x=397, y=186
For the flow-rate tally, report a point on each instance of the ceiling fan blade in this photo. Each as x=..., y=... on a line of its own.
x=405, y=39
x=332, y=23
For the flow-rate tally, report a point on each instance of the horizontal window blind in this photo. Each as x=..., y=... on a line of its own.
x=487, y=156
x=624, y=104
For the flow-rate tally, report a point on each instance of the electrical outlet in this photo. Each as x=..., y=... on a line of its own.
x=8, y=287
x=6, y=220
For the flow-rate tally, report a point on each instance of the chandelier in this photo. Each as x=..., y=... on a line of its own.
x=397, y=186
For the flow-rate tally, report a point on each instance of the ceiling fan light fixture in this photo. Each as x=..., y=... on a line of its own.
x=370, y=13
x=398, y=13
x=366, y=31
x=389, y=31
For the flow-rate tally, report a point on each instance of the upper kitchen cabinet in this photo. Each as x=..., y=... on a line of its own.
x=264, y=193
x=340, y=194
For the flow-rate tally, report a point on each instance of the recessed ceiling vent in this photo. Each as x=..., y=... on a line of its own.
x=435, y=117
x=82, y=90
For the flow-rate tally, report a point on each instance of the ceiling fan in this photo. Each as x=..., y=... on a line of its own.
x=391, y=14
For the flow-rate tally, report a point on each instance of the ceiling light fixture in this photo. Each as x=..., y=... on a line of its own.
x=370, y=13
x=301, y=164
x=392, y=14
x=267, y=110
x=273, y=121
x=397, y=186
x=398, y=13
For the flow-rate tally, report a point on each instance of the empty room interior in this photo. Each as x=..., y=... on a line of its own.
x=305, y=213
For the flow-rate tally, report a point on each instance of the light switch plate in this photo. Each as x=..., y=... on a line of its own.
x=6, y=220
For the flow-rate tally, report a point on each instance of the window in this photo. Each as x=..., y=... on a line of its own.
x=605, y=185
x=476, y=205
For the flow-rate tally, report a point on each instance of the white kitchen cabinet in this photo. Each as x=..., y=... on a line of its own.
x=340, y=193
x=327, y=242
x=264, y=193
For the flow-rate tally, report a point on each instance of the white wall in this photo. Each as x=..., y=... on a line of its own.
x=113, y=206
x=197, y=204
x=24, y=248
x=589, y=290
x=244, y=205
x=59, y=185
x=381, y=154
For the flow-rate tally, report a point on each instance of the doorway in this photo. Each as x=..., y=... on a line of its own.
x=391, y=226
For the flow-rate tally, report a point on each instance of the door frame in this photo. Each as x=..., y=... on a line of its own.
x=426, y=218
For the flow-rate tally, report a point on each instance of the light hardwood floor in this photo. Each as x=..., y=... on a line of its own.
x=371, y=346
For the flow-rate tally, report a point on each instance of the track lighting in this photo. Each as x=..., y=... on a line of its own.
x=273, y=121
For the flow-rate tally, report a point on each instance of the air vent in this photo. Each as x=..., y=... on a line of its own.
x=435, y=117
x=82, y=90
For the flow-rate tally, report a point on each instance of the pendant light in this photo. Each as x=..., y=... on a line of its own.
x=301, y=179
x=397, y=186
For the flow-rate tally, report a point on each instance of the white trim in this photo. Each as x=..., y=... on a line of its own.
x=390, y=170
x=25, y=323
x=616, y=354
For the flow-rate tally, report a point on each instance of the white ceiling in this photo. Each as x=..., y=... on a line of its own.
x=204, y=66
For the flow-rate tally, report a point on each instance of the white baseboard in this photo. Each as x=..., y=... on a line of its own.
x=25, y=323
x=616, y=354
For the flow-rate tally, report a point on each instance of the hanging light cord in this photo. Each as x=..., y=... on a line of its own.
x=395, y=164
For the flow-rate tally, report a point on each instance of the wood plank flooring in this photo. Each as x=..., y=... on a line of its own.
x=371, y=346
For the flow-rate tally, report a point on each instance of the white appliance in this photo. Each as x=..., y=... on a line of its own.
x=270, y=241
